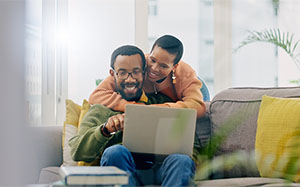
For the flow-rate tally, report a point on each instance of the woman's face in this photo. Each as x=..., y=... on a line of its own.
x=159, y=64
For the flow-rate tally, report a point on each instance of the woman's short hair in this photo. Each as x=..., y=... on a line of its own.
x=171, y=44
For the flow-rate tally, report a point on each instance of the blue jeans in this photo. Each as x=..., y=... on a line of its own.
x=175, y=170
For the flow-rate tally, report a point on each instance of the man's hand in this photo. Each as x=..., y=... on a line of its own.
x=115, y=123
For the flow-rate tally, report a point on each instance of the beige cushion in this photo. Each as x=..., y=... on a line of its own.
x=74, y=115
x=69, y=130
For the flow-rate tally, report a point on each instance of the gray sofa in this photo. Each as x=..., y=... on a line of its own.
x=223, y=106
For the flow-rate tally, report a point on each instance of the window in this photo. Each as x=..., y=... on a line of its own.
x=46, y=61
x=192, y=22
x=33, y=69
x=69, y=43
x=152, y=8
x=211, y=31
x=68, y=47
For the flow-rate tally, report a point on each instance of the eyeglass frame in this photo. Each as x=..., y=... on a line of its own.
x=128, y=73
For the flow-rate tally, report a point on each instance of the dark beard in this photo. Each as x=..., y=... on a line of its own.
x=137, y=96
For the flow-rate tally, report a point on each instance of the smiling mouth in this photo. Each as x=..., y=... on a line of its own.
x=130, y=87
x=152, y=75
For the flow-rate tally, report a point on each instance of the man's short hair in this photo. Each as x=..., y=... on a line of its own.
x=171, y=44
x=127, y=50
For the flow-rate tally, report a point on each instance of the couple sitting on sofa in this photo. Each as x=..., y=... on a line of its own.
x=167, y=83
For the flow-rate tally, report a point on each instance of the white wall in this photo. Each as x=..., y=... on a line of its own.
x=96, y=28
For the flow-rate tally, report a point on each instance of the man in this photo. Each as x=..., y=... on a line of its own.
x=100, y=132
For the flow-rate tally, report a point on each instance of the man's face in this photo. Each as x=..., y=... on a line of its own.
x=129, y=77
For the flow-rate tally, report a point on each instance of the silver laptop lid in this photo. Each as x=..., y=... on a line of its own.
x=159, y=130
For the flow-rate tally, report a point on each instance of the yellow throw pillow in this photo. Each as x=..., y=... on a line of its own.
x=277, y=144
x=94, y=163
x=69, y=130
x=72, y=112
x=84, y=109
x=74, y=115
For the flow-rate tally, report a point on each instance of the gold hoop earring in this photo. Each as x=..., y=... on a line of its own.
x=173, y=78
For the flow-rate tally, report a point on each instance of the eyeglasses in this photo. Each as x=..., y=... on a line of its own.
x=123, y=74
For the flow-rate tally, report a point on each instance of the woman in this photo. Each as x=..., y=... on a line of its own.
x=165, y=74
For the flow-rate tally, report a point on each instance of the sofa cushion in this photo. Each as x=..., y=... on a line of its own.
x=69, y=130
x=241, y=105
x=277, y=143
x=234, y=112
x=248, y=181
x=74, y=115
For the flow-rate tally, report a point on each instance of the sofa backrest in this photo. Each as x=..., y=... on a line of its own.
x=48, y=152
x=235, y=110
x=241, y=106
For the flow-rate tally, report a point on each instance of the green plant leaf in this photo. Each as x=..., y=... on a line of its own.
x=98, y=81
x=284, y=40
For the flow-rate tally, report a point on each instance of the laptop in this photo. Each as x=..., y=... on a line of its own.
x=159, y=130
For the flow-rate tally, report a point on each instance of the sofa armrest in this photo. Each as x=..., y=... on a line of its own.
x=48, y=145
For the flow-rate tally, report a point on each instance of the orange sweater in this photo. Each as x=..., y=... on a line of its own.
x=185, y=92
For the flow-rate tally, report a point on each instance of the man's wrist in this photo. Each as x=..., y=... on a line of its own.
x=105, y=131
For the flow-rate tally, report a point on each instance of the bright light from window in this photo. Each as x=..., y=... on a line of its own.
x=62, y=36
